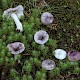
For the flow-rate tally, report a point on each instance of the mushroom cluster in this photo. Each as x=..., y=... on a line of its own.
x=40, y=37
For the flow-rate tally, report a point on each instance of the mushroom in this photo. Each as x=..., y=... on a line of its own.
x=48, y=64
x=47, y=18
x=15, y=13
x=16, y=48
x=73, y=55
x=60, y=54
x=41, y=37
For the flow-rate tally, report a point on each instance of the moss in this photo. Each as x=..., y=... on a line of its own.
x=64, y=33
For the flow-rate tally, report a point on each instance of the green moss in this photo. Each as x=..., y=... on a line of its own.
x=64, y=33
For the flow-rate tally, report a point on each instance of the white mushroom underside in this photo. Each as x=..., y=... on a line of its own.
x=60, y=54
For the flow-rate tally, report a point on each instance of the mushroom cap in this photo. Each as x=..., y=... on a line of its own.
x=48, y=64
x=41, y=37
x=73, y=55
x=16, y=47
x=17, y=10
x=60, y=54
x=47, y=18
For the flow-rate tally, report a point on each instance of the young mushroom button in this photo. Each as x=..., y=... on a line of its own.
x=60, y=54
x=41, y=37
x=15, y=13
x=48, y=64
x=47, y=18
x=73, y=55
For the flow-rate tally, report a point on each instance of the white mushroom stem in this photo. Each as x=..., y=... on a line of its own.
x=42, y=45
x=17, y=22
x=15, y=56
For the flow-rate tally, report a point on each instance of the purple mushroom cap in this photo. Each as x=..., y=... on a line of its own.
x=17, y=10
x=47, y=18
x=73, y=55
x=48, y=64
x=16, y=47
x=41, y=37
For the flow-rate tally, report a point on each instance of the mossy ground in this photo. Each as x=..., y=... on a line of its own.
x=64, y=33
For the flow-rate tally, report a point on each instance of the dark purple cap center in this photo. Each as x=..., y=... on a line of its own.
x=73, y=53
